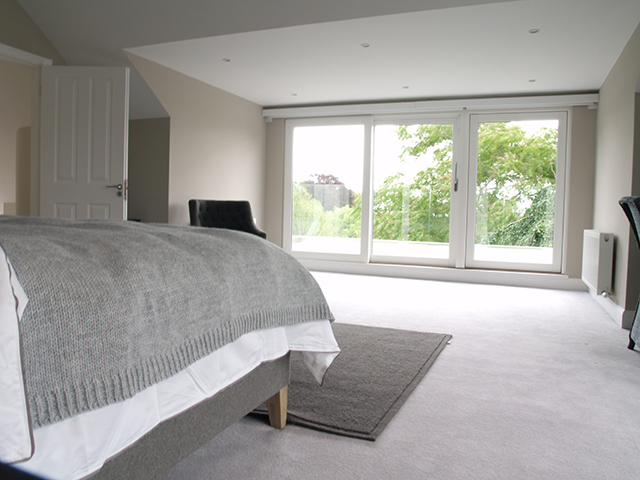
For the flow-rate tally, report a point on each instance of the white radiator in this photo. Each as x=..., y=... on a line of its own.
x=597, y=261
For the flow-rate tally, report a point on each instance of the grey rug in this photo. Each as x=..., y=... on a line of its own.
x=366, y=385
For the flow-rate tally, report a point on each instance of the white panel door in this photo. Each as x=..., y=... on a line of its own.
x=84, y=142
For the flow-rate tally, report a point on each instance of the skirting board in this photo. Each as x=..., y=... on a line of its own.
x=622, y=317
x=442, y=274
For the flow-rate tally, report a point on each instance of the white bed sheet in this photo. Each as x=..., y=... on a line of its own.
x=15, y=440
x=78, y=446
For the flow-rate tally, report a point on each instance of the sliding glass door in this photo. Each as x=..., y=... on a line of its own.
x=516, y=208
x=328, y=186
x=412, y=166
x=458, y=190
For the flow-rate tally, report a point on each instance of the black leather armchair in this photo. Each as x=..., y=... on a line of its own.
x=631, y=207
x=230, y=214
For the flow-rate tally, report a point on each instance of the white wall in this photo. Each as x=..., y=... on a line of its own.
x=217, y=142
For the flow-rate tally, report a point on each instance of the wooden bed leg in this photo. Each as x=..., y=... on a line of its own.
x=277, y=408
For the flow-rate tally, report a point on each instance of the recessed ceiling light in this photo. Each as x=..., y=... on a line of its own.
x=534, y=30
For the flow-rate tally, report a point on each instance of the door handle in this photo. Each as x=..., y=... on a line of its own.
x=120, y=188
x=455, y=177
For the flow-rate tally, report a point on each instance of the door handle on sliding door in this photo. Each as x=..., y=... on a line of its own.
x=455, y=177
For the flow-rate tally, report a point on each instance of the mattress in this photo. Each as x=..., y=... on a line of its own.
x=77, y=446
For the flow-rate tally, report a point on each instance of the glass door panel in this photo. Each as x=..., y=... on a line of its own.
x=412, y=191
x=327, y=174
x=516, y=190
x=472, y=190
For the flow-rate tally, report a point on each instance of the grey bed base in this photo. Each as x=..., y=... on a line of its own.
x=176, y=438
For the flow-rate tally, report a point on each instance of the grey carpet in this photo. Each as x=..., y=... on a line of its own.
x=365, y=386
x=536, y=385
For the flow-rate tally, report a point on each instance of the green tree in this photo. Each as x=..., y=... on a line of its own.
x=534, y=228
x=308, y=214
x=311, y=218
x=515, y=187
x=417, y=210
x=515, y=193
x=343, y=222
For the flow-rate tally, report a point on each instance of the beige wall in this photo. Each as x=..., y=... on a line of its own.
x=614, y=163
x=633, y=277
x=15, y=114
x=18, y=31
x=217, y=142
x=23, y=171
x=148, y=194
x=274, y=180
x=580, y=186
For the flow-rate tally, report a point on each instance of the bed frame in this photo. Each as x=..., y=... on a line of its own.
x=178, y=437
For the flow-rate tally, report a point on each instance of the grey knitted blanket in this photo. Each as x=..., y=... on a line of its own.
x=115, y=307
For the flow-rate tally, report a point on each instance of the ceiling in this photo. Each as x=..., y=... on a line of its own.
x=307, y=52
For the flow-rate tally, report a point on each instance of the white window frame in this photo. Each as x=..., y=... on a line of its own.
x=462, y=110
x=456, y=225
x=561, y=170
x=366, y=216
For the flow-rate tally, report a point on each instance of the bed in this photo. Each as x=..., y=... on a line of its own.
x=127, y=346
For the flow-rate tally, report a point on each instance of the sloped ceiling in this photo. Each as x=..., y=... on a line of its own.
x=302, y=52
